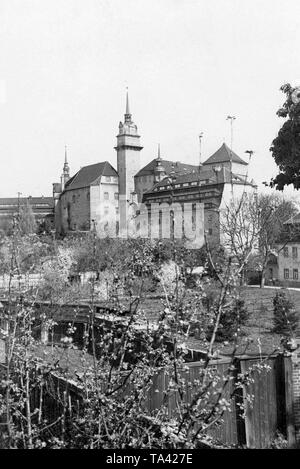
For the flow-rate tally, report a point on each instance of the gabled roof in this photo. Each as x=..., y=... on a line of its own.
x=223, y=155
x=168, y=166
x=90, y=175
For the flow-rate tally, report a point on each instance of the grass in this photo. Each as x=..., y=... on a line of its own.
x=257, y=335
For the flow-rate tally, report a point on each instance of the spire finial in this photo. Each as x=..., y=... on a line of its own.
x=127, y=102
x=127, y=113
x=66, y=159
x=158, y=151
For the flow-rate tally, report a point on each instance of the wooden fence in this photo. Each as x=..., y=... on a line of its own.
x=269, y=412
x=270, y=409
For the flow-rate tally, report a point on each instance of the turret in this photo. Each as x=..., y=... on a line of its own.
x=159, y=170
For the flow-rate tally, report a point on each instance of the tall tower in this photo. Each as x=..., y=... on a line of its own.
x=128, y=155
x=66, y=171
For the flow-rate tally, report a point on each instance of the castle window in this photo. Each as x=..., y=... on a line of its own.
x=286, y=273
x=106, y=195
x=286, y=252
x=295, y=274
x=271, y=272
x=107, y=178
x=73, y=199
x=116, y=195
x=294, y=251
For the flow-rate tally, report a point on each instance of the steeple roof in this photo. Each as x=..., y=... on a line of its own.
x=127, y=104
x=224, y=154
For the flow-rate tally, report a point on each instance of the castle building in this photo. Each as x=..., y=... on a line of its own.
x=87, y=197
x=100, y=198
x=211, y=184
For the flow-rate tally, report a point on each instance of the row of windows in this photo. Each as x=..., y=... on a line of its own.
x=110, y=179
x=294, y=251
x=286, y=274
x=106, y=195
x=145, y=178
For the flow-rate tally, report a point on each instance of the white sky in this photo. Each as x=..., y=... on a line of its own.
x=65, y=65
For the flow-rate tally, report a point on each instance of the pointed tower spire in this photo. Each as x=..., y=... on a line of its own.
x=127, y=103
x=66, y=171
x=159, y=170
x=66, y=159
x=127, y=112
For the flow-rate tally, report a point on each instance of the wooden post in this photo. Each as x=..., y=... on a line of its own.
x=288, y=380
x=249, y=427
x=240, y=422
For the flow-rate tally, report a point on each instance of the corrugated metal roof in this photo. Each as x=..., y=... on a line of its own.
x=22, y=200
x=89, y=175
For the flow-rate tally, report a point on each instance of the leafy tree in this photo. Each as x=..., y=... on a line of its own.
x=286, y=146
x=285, y=316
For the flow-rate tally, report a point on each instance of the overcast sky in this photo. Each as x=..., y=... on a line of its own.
x=65, y=65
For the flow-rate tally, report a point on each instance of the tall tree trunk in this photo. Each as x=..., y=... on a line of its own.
x=263, y=272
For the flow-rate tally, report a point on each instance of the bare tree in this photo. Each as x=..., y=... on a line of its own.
x=251, y=227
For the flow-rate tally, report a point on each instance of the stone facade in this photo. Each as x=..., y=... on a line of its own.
x=288, y=264
x=89, y=199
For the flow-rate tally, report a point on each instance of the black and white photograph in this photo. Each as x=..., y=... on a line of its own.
x=150, y=227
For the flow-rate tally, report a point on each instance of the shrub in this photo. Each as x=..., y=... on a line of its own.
x=285, y=316
x=231, y=321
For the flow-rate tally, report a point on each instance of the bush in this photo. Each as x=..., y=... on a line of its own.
x=285, y=316
x=231, y=321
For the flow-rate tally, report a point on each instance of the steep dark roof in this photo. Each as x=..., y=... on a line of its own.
x=89, y=175
x=222, y=155
x=168, y=166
